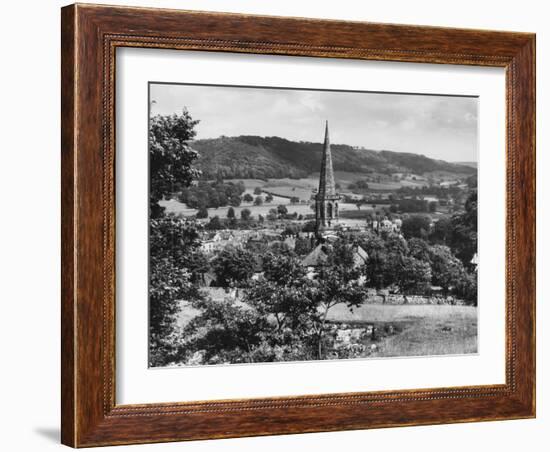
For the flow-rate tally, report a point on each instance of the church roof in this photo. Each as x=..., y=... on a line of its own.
x=319, y=256
x=360, y=256
x=316, y=257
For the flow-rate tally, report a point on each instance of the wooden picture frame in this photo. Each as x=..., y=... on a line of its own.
x=90, y=36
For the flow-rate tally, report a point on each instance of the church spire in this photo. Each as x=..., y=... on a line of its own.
x=326, y=179
x=326, y=199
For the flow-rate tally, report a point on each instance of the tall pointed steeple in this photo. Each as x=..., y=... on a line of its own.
x=326, y=179
x=326, y=199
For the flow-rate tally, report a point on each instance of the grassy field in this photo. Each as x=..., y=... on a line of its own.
x=300, y=188
x=174, y=206
x=419, y=329
x=287, y=191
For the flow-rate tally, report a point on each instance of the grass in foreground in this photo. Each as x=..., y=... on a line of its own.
x=420, y=330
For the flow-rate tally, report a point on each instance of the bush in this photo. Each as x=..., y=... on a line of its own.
x=246, y=214
x=202, y=213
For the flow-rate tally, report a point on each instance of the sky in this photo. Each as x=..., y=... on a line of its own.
x=441, y=127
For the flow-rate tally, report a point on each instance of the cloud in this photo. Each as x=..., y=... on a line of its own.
x=439, y=126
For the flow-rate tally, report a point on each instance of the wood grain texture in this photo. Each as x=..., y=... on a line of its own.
x=67, y=226
x=90, y=36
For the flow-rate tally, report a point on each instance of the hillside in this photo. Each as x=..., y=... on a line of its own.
x=472, y=164
x=273, y=157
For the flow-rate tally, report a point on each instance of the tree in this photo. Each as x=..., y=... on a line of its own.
x=385, y=258
x=272, y=215
x=471, y=181
x=334, y=285
x=231, y=213
x=416, y=226
x=175, y=263
x=258, y=191
x=299, y=304
x=233, y=267
x=168, y=284
x=464, y=230
x=294, y=200
x=269, y=197
x=341, y=254
x=170, y=157
x=235, y=201
x=413, y=276
x=284, y=314
x=303, y=246
x=281, y=209
x=214, y=199
x=214, y=223
x=371, y=242
x=396, y=246
x=258, y=201
x=447, y=270
x=224, y=332
x=202, y=213
x=279, y=268
x=309, y=226
x=246, y=214
x=413, y=205
x=419, y=249
x=248, y=197
x=442, y=232
x=173, y=239
x=466, y=288
x=211, y=194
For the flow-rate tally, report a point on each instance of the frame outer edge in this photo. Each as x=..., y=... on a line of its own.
x=86, y=420
x=526, y=197
x=68, y=229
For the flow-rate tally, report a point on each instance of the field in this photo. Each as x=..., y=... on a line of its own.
x=283, y=189
x=304, y=186
x=174, y=206
x=301, y=188
x=419, y=329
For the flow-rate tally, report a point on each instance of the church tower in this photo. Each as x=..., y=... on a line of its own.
x=326, y=199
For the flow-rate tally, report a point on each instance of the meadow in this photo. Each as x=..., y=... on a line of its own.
x=419, y=330
x=283, y=189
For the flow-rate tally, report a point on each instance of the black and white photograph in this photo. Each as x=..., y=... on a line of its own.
x=292, y=224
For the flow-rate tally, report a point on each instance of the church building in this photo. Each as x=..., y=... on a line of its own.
x=326, y=198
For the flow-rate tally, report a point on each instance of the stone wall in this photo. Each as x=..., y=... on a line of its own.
x=384, y=297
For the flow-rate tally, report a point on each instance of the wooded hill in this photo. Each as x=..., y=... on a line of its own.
x=255, y=157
